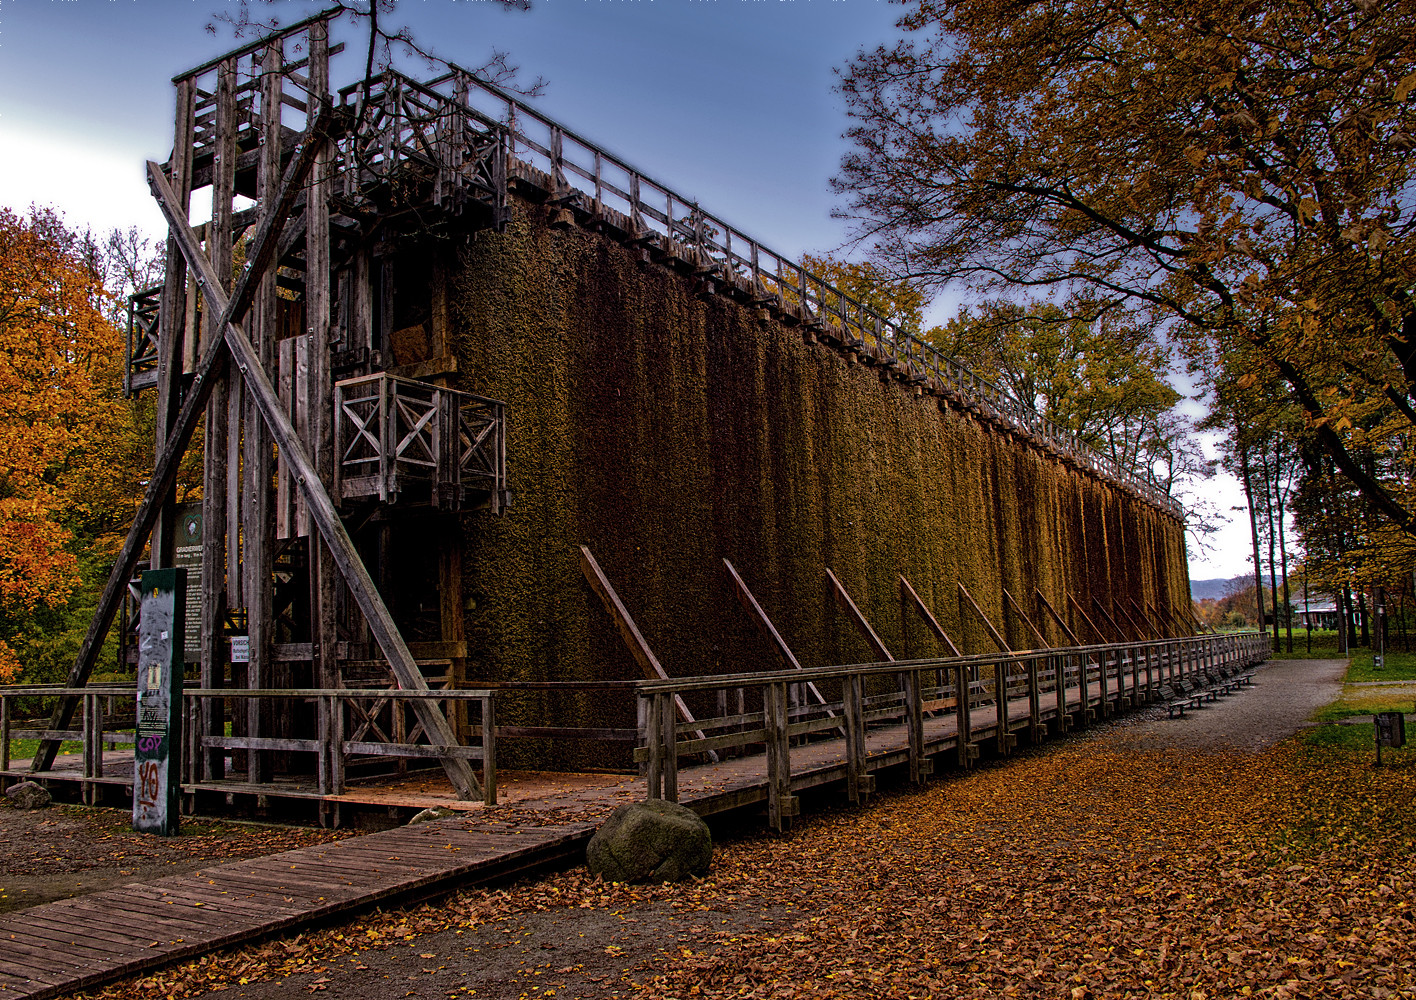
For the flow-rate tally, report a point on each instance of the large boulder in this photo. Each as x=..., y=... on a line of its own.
x=431, y=813
x=653, y=841
x=28, y=795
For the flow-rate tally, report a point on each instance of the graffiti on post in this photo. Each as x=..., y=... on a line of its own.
x=161, y=641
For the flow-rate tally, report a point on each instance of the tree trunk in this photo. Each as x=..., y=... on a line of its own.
x=1281, y=499
x=1254, y=534
x=1269, y=496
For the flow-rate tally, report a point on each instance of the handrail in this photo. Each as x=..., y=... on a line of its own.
x=712, y=682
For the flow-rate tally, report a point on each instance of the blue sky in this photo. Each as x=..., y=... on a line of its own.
x=730, y=102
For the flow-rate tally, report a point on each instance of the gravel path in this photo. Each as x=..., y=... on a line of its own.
x=1284, y=695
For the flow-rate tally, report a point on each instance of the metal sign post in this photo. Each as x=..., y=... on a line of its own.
x=1390, y=731
x=157, y=754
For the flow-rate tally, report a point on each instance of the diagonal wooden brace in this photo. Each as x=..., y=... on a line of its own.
x=993, y=633
x=859, y=619
x=1018, y=610
x=169, y=457
x=770, y=633
x=629, y=631
x=321, y=508
x=929, y=620
x=1062, y=624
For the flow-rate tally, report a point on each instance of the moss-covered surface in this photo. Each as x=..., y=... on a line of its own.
x=667, y=429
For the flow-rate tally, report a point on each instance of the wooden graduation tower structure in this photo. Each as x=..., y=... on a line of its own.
x=332, y=449
x=274, y=322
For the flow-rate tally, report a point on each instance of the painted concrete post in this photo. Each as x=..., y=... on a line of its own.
x=156, y=776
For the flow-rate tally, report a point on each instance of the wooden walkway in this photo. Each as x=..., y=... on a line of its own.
x=61, y=947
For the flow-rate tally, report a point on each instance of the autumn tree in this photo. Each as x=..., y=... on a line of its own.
x=69, y=448
x=1242, y=169
x=897, y=299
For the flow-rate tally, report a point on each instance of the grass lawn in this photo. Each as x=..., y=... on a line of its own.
x=1398, y=667
x=1366, y=694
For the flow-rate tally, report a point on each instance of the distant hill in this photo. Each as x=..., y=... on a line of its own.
x=1201, y=590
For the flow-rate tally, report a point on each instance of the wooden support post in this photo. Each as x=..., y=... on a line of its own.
x=1047, y=605
x=963, y=716
x=1144, y=619
x=769, y=631
x=668, y=729
x=993, y=633
x=1136, y=630
x=859, y=781
x=1034, y=702
x=914, y=723
x=4, y=736
x=1101, y=636
x=336, y=747
x=781, y=803
x=321, y=508
x=1003, y=737
x=257, y=508
x=1059, y=666
x=1018, y=610
x=654, y=742
x=1165, y=619
x=629, y=632
x=1120, y=632
x=172, y=315
x=215, y=498
x=489, y=750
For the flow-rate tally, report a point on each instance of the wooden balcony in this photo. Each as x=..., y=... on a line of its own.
x=413, y=443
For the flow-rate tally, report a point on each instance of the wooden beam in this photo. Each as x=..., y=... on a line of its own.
x=768, y=630
x=1057, y=618
x=346, y=557
x=215, y=499
x=1090, y=624
x=629, y=631
x=909, y=593
x=1145, y=619
x=1161, y=618
x=859, y=619
x=169, y=458
x=1018, y=609
x=992, y=632
x=1096, y=603
x=172, y=313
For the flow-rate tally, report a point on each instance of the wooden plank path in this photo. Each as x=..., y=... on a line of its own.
x=73, y=944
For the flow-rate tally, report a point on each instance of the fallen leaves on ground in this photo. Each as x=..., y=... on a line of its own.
x=85, y=839
x=1087, y=870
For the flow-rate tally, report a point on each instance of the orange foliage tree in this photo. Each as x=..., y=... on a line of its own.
x=63, y=415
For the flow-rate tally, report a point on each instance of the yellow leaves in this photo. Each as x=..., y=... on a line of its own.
x=1404, y=88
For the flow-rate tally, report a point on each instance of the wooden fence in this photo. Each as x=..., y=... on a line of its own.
x=1002, y=693
x=734, y=715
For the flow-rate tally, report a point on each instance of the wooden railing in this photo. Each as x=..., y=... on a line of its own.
x=614, y=195
x=758, y=710
x=395, y=433
x=140, y=372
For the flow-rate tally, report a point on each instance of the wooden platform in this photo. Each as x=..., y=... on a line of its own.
x=64, y=946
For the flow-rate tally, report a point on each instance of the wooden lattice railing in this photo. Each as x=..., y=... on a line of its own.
x=396, y=437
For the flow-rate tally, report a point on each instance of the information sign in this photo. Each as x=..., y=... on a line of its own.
x=187, y=552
